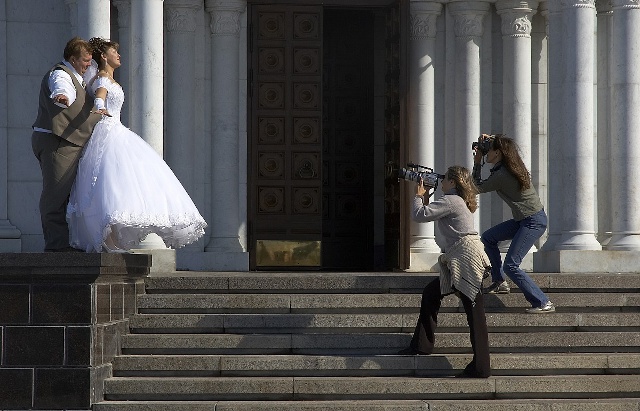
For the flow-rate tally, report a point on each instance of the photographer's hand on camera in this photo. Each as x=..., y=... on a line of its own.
x=420, y=190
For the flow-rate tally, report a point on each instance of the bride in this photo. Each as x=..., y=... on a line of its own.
x=124, y=190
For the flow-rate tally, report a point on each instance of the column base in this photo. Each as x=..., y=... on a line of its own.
x=10, y=245
x=551, y=243
x=224, y=245
x=162, y=260
x=624, y=242
x=586, y=261
x=425, y=245
x=213, y=261
x=424, y=262
x=578, y=242
x=9, y=238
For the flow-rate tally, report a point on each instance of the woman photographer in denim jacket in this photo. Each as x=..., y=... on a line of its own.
x=512, y=181
x=461, y=268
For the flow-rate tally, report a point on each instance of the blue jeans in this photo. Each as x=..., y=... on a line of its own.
x=522, y=234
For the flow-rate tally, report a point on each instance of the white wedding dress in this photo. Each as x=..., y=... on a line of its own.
x=124, y=190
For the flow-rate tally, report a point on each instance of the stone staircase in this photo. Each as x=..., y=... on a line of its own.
x=327, y=341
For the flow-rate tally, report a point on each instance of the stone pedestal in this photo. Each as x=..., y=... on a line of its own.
x=586, y=261
x=61, y=318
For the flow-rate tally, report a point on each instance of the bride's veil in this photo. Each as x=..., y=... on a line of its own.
x=90, y=75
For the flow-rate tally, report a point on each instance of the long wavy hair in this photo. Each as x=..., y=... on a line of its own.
x=511, y=159
x=100, y=46
x=465, y=186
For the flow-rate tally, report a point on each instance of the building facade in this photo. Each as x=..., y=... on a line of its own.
x=286, y=121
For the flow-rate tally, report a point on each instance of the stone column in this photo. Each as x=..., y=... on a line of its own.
x=578, y=175
x=147, y=60
x=625, y=121
x=94, y=19
x=123, y=74
x=180, y=22
x=146, y=96
x=516, y=74
x=468, y=26
x=225, y=29
x=73, y=16
x=421, y=119
x=604, y=187
x=9, y=235
x=552, y=10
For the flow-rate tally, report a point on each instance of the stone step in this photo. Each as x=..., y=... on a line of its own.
x=367, y=303
x=371, y=322
x=369, y=388
x=375, y=343
x=346, y=283
x=378, y=365
x=378, y=405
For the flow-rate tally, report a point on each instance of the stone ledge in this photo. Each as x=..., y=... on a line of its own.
x=78, y=266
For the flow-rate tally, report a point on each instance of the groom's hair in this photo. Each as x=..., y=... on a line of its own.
x=75, y=47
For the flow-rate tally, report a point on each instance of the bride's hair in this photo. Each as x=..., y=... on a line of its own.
x=99, y=46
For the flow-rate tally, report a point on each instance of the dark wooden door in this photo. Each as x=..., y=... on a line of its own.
x=285, y=174
x=348, y=143
x=311, y=143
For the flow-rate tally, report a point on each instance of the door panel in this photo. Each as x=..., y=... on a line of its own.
x=348, y=143
x=286, y=128
x=311, y=137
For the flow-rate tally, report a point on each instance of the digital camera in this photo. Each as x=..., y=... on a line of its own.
x=484, y=145
x=415, y=172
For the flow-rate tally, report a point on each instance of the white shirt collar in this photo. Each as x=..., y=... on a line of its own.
x=73, y=70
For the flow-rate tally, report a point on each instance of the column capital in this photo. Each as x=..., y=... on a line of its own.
x=124, y=12
x=626, y=4
x=578, y=4
x=423, y=18
x=516, y=17
x=468, y=17
x=225, y=16
x=604, y=7
x=180, y=15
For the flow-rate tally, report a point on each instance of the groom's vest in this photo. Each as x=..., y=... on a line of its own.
x=74, y=123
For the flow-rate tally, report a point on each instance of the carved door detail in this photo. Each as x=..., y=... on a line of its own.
x=285, y=179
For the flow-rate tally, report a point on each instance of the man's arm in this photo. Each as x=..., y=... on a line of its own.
x=63, y=92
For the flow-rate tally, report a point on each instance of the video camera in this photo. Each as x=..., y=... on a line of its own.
x=415, y=172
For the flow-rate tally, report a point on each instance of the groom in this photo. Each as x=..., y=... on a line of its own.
x=64, y=124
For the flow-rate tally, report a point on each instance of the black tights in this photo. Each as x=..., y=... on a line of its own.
x=424, y=335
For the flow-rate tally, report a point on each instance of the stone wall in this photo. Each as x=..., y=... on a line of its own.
x=61, y=315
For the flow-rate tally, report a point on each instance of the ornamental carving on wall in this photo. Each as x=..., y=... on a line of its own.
x=468, y=25
x=516, y=24
x=422, y=25
x=180, y=19
x=225, y=22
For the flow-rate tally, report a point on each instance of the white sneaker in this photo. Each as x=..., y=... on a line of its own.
x=549, y=307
